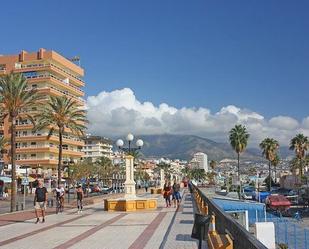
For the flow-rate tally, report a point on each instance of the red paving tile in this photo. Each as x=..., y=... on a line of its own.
x=16, y=217
x=89, y=232
x=22, y=216
x=145, y=236
x=8, y=241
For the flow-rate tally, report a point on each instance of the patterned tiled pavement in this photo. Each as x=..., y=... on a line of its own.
x=95, y=228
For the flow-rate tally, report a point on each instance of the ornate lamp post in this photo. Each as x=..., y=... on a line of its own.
x=129, y=185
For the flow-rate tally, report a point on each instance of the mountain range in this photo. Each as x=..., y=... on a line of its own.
x=184, y=146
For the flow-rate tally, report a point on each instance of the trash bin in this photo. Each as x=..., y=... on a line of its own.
x=200, y=227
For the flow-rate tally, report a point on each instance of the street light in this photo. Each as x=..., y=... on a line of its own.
x=129, y=184
x=129, y=149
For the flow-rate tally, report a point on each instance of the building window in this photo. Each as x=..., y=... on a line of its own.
x=33, y=155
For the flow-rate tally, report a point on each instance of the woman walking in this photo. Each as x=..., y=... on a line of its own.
x=167, y=190
x=79, y=198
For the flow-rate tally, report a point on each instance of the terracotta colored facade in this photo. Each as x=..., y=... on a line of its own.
x=51, y=74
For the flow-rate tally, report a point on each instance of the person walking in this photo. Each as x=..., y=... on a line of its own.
x=176, y=193
x=59, y=191
x=167, y=193
x=146, y=186
x=79, y=199
x=40, y=199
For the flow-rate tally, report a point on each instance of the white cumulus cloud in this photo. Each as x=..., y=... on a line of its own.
x=118, y=112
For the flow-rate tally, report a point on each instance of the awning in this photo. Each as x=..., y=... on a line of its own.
x=231, y=205
x=254, y=209
x=5, y=179
x=30, y=179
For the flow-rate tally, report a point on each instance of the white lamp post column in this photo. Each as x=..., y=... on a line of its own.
x=129, y=184
x=162, y=178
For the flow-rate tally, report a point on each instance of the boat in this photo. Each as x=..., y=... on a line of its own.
x=278, y=203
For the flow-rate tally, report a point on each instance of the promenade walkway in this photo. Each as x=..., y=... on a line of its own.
x=95, y=228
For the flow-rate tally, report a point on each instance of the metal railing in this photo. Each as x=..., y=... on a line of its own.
x=242, y=239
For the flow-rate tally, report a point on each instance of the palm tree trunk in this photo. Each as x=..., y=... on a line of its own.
x=269, y=175
x=275, y=168
x=60, y=157
x=13, y=163
x=301, y=167
x=238, y=168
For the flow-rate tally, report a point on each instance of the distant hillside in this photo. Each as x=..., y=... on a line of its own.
x=184, y=146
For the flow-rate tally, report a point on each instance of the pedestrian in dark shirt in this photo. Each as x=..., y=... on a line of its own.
x=79, y=198
x=40, y=199
x=176, y=193
x=146, y=186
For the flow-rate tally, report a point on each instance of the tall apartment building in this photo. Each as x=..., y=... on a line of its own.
x=52, y=75
x=96, y=147
x=200, y=160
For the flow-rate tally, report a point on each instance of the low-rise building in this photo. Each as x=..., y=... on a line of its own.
x=96, y=147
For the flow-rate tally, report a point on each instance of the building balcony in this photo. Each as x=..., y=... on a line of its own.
x=48, y=149
x=51, y=67
x=36, y=161
x=29, y=126
x=56, y=92
x=56, y=81
x=53, y=138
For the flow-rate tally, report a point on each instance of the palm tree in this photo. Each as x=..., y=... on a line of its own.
x=212, y=164
x=3, y=143
x=300, y=145
x=14, y=98
x=269, y=147
x=239, y=139
x=105, y=167
x=58, y=114
x=275, y=163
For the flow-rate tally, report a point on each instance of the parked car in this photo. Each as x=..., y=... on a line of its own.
x=106, y=190
x=95, y=189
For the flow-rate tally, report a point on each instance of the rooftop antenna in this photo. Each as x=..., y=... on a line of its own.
x=76, y=59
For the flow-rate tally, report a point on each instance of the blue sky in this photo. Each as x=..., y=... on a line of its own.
x=251, y=54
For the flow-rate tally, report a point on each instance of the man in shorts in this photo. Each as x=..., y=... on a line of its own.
x=176, y=193
x=40, y=199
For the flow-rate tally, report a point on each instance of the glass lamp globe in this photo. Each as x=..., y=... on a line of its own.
x=119, y=143
x=139, y=143
x=130, y=137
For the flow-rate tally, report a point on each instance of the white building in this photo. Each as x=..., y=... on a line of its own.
x=96, y=147
x=200, y=160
